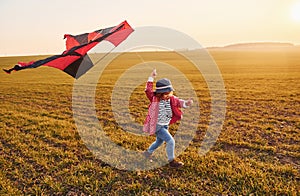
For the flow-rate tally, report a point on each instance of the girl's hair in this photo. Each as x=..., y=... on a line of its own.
x=160, y=95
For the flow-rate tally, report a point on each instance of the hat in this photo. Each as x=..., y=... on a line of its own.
x=163, y=85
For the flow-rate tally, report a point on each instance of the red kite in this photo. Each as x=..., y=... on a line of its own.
x=77, y=47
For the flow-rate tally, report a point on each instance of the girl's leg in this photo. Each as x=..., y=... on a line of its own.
x=158, y=141
x=155, y=145
x=164, y=135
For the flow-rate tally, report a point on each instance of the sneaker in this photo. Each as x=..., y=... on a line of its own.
x=176, y=164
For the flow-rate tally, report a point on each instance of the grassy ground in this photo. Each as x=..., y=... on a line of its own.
x=257, y=152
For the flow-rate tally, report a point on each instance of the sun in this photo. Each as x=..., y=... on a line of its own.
x=295, y=12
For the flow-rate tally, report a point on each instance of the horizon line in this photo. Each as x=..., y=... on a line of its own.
x=231, y=45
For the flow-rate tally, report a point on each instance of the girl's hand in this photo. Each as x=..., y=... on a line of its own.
x=189, y=102
x=153, y=74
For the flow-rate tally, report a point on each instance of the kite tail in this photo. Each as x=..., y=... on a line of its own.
x=15, y=68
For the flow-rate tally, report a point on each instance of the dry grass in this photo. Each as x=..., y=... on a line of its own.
x=257, y=152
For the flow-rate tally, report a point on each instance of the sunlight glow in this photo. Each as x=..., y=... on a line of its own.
x=295, y=12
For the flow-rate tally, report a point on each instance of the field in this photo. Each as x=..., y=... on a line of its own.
x=256, y=153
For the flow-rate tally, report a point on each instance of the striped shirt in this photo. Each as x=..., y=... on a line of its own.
x=164, y=113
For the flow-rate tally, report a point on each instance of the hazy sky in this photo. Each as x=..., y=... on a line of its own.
x=37, y=26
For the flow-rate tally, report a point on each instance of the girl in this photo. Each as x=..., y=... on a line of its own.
x=164, y=109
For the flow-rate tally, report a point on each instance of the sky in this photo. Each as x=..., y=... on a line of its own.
x=33, y=27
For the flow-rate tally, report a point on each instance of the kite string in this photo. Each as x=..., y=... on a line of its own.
x=104, y=56
x=140, y=57
x=144, y=61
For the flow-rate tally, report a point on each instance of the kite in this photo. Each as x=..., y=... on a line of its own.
x=77, y=46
